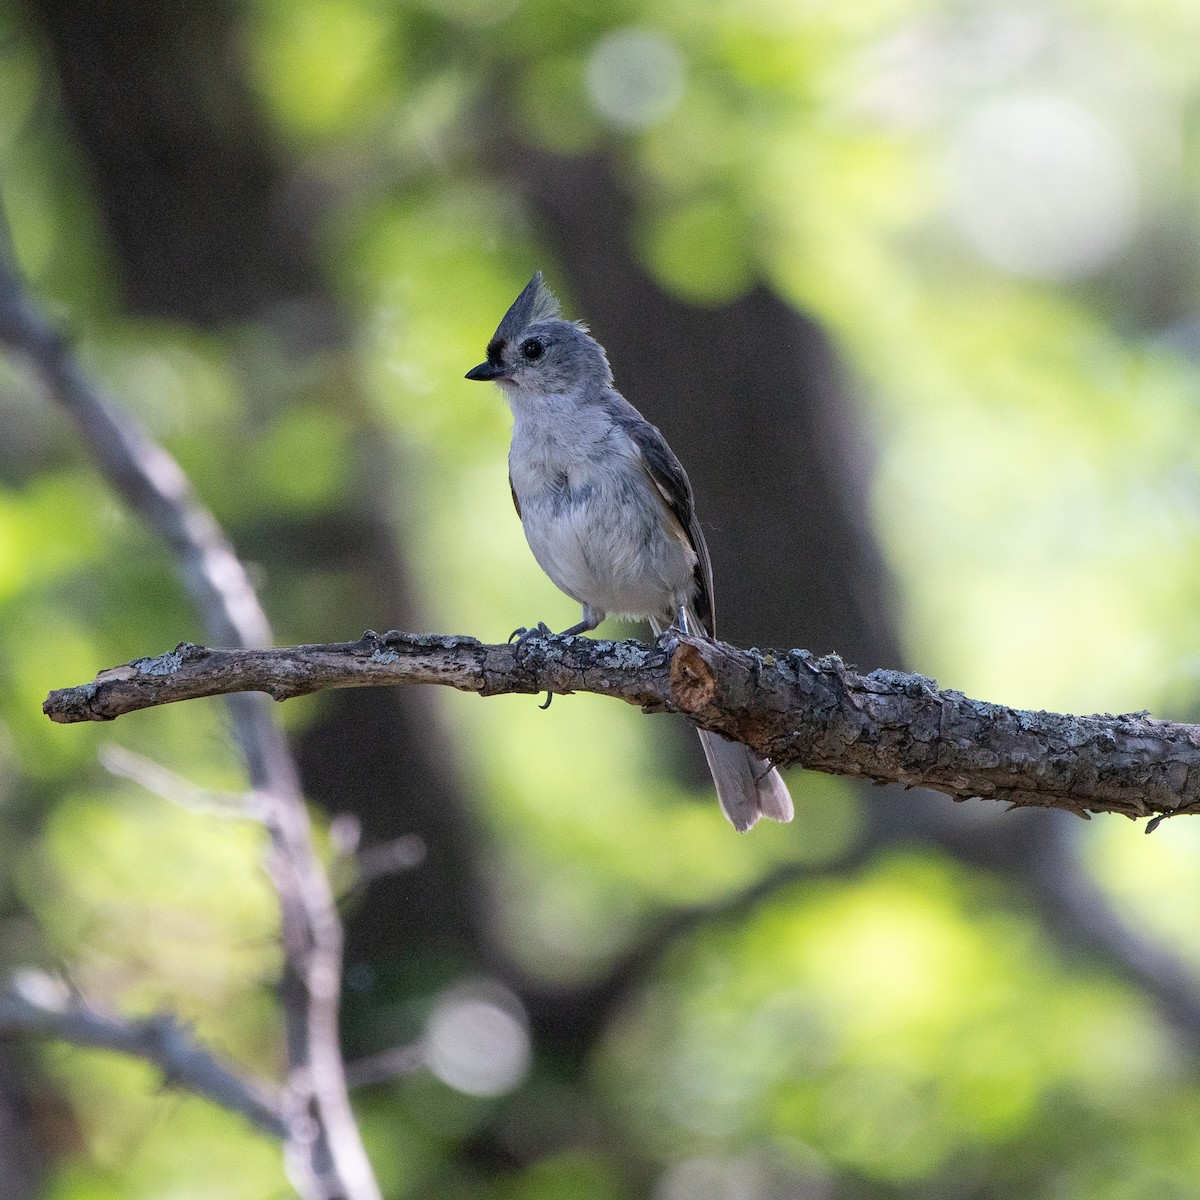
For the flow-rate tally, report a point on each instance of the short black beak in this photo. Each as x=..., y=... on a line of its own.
x=485, y=370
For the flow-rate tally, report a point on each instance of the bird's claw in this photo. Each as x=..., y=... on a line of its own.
x=521, y=633
x=541, y=629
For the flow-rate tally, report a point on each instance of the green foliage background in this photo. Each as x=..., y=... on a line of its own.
x=909, y=1029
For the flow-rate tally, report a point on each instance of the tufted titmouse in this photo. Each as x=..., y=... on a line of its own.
x=607, y=507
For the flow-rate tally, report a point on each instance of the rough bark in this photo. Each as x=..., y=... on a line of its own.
x=798, y=710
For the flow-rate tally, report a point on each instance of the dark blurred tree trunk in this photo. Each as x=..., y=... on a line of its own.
x=25, y=1133
x=191, y=192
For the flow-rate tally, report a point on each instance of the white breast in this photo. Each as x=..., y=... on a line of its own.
x=591, y=516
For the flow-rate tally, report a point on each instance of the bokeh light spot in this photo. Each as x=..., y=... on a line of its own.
x=477, y=1040
x=634, y=77
x=1042, y=188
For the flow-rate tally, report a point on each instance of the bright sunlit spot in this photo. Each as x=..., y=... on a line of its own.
x=1041, y=187
x=477, y=1040
x=635, y=77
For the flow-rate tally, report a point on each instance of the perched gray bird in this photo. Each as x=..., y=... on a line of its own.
x=607, y=507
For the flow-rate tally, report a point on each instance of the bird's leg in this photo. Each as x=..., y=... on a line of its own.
x=681, y=618
x=591, y=618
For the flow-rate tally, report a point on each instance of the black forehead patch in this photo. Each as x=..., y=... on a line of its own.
x=495, y=346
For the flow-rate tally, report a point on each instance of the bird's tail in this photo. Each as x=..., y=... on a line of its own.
x=747, y=787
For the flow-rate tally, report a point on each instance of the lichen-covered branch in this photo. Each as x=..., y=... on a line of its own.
x=796, y=709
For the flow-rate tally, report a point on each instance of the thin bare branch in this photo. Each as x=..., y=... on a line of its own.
x=35, y=1005
x=389, y=858
x=386, y=1065
x=797, y=710
x=163, y=782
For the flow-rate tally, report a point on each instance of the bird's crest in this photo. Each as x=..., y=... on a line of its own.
x=535, y=303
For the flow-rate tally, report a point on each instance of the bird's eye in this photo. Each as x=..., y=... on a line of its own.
x=532, y=349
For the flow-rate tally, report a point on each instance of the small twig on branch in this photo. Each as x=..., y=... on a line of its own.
x=183, y=793
x=793, y=708
x=36, y=1005
x=386, y=1065
x=388, y=858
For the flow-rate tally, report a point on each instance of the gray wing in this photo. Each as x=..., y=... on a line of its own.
x=516, y=502
x=673, y=486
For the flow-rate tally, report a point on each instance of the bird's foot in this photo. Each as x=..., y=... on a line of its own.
x=667, y=639
x=376, y=642
x=522, y=634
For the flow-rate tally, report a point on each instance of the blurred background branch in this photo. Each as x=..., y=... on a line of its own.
x=36, y=1006
x=324, y=1150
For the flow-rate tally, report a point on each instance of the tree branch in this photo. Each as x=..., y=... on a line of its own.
x=38, y=1006
x=795, y=709
x=325, y=1154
